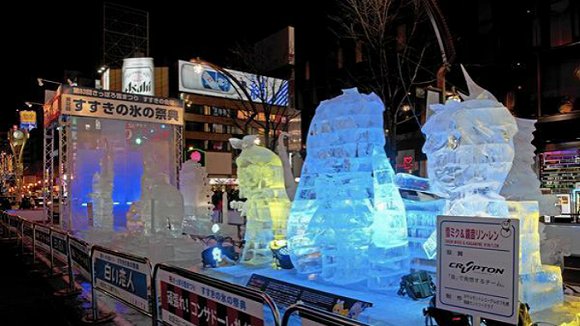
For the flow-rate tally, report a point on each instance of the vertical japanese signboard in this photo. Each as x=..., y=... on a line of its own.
x=477, y=269
x=122, y=277
x=187, y=302
x=79, y=254
x=58, y=243
x=27, y=232
x=42, y=238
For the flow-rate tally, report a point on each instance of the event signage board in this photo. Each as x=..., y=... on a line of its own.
x=122, y=277
x=477, y=266
x=80, y=257
x=42, y=238
x=185, y=302
x=59, y=246
x=286, y=294
x=98, y=103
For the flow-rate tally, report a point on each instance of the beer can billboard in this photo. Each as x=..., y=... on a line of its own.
x=139, y=76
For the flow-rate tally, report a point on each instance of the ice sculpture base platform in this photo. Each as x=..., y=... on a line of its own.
x=388, y=308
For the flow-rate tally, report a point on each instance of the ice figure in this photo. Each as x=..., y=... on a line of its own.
x=469, y=147
x=540, y=286
x=347, y=222
x=161, y=204
x=422, y=211
x=102, y=195
x=194, y=186
x=261, y=180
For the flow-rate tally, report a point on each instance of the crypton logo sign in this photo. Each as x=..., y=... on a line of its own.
x=472, y=267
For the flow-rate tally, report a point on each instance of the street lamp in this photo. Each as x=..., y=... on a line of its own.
x=30, y=104
x=41, y=82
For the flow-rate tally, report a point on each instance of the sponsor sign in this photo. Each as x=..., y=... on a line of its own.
x=59, y=246
x=185, y=302
x=204, y=80
x=42, y=238
x=98, y=103
x=477, y=268
x=124, y=278
x=27, y=232
x=79, y=254
x=286, y=294
x=138, y=76
x=27, y=119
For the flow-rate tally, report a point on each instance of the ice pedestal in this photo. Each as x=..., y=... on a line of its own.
x=540, y=285
x=347, y=224
x=194, y=185
x=421, y=223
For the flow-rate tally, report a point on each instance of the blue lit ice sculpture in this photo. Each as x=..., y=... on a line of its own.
x=540, y=285
x=469, y=148
x=102, y=194
x=347, y=222
x=261, y=179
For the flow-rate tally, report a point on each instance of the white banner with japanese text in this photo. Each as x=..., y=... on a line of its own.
x=477, y=267
x=97, y=103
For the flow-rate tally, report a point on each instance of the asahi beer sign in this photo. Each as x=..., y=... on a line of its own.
x=138, y=76
x=477, y=268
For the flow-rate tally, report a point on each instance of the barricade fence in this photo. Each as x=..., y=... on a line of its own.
x=169, y=295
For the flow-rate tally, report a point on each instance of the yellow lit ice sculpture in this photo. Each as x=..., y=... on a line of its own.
x=347, y=224
x=540, y=285
x=469, y=148
x=261, y=180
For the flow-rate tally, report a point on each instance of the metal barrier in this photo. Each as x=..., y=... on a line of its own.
x=315, y=316
x=180, y=290
x=122, y=276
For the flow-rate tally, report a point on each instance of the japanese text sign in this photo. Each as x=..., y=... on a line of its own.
x=59, y=245
x=477, y=268
x=187, y=302
x=79, y=254
x=123, y=278
x=96, y=103
x=42, y=238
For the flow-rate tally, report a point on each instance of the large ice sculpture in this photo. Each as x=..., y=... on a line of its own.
x=347, y=222
x=161, y=204
x=102, y=195
x=194, y=185
x=261, y=180
x=540, y=286
x=469, y=148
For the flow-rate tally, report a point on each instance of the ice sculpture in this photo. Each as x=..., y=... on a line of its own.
x=540, y=286
x=102, y=195
x=161, y=204
x=261, y=180
x=469, y=148
x=422, y=211
x=194, y=186
x=347, y=222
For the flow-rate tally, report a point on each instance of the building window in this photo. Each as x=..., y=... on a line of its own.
x=219, y=112
x=358, y=52
x=194, y=108
x=194, y=126
x=339, y=58
x=307, y=70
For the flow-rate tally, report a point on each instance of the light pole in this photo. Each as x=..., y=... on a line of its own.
x=17, y=139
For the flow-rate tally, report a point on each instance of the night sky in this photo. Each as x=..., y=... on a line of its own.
x=50, y=37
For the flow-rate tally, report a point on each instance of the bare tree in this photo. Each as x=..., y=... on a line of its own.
x=396, y=40
x=269, y=108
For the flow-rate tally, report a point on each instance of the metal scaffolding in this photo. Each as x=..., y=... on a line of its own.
x=48, y=172
x=64, y=174
x=178, y=138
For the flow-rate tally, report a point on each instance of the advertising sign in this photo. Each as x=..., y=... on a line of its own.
x=200, y=79
x=79, y=254
x=123, y=278
x=42, y=238
x=51, y=107
x=477, y=268
x=187, y=303
x=139, y=76
x=286, y=294
x=27, y=119
x=97, y=103
x=59, y=246
x=27, y=232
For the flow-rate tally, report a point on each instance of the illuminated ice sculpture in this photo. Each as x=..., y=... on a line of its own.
x=102, y=195
x=540, y=285
x=194, y=185
x=347, y=222
x=261, y=181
